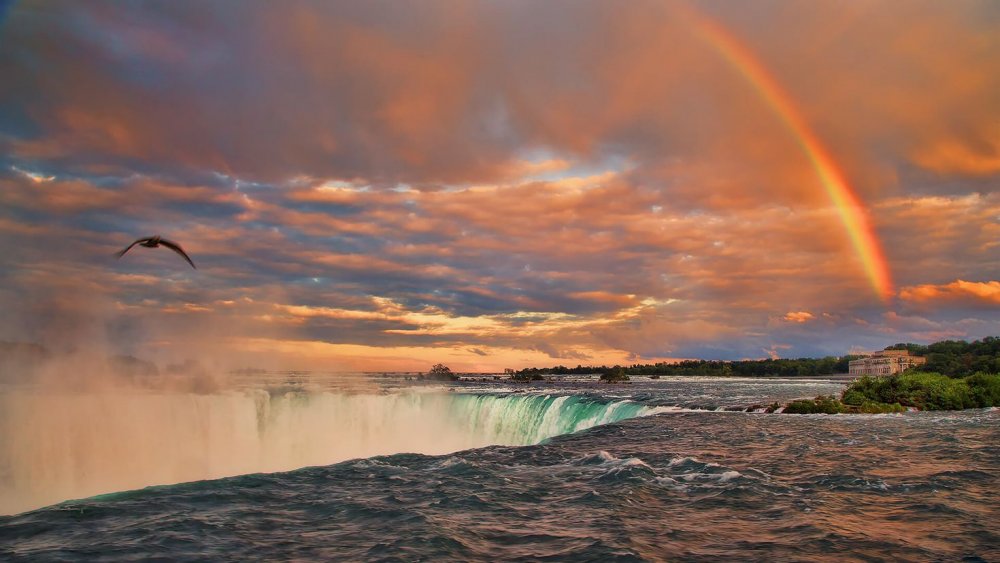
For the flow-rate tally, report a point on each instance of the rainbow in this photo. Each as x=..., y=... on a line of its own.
x=849, y=206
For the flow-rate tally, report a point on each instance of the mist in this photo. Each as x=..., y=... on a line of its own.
x=63, y=445
x=59, y=446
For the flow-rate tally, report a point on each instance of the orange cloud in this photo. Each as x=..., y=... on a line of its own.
x=983, y=293
x=798, y=316
x=774, y=351
x=606, y=297
x=955, y=156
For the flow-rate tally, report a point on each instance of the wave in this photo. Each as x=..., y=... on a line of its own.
x=56, y=447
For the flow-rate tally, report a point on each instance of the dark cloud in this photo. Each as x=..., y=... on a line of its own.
x=454, y=93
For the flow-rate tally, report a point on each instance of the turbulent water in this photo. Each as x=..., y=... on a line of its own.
x=657, y=470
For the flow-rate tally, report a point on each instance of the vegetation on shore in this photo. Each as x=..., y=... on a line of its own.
x=927, y=391
x=826, y=404
x=912, y=389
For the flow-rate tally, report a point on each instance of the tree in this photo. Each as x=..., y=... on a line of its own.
x=441, y=372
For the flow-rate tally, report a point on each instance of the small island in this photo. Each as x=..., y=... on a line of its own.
x=614, y=375
x=439, y=372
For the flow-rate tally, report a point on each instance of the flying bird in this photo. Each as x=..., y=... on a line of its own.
x=153, y=242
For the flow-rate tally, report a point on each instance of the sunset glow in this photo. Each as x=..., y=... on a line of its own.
x=498, y=186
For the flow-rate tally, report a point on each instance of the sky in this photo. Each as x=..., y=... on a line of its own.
x=389, y=185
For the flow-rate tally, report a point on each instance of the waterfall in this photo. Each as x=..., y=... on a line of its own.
x=56, y=447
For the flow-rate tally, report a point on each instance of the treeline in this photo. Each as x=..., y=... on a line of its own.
x=954, y=358
x=957, y=358
x=801, y=367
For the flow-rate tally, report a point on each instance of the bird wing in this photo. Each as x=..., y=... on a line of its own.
x=121, y=253
x=177, y=248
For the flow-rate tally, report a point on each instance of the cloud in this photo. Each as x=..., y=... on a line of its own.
x=346, y=91
x=953, y=156
x=982, y=294
x=798, y=316
x=538, y=182
x=774, y=351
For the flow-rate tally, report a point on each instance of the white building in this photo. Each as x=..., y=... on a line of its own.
x=884, y=362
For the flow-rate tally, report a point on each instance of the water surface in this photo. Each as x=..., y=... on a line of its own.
x=656, y=481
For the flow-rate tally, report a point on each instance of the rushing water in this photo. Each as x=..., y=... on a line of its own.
x=657, y=470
